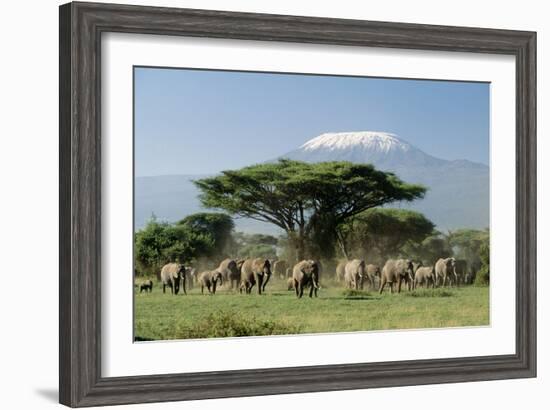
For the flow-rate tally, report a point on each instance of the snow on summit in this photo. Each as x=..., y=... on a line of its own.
x=374, y=141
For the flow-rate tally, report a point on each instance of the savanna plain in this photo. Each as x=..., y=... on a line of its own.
x=161, y=316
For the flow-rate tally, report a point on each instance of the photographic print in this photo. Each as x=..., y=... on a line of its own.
x=285, y=203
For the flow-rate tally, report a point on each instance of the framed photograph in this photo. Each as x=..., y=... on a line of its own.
x=257, y=204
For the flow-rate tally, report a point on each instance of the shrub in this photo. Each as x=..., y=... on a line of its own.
x=482, y=277
x=230, y=324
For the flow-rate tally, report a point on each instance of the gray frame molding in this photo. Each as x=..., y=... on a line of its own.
x=81, y=26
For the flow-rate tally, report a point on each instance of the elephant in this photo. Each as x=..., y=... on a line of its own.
x=279, y=268
x=230, y=272
x=209, y=279
x=341, y=270
x=255, y=271
x=371, y=273
x=146, y=286
x=171, y=275
x=306, y=273
x=461, y=267
x=354, y=272
x=395, y=271
x=424, y=276
x=445, y=269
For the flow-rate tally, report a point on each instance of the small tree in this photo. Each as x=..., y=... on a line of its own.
x=386, y=231
x=254, y=246
x=149, y=245
x=215, y=226
x=430, y=249
x=161, y=242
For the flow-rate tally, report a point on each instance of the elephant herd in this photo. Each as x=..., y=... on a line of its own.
x=244, y=274
x=395, y=272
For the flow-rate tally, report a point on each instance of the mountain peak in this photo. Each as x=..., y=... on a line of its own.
x=374, y=141
x=386, y=151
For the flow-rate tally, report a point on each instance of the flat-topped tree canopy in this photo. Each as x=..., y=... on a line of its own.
x=298, y=196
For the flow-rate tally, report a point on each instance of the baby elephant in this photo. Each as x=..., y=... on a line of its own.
x=425, y=276
x=146, y=286
x=209, y=280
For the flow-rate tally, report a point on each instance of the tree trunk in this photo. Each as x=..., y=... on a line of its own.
x=342, y=244
x=300, y=248
x=297, y=242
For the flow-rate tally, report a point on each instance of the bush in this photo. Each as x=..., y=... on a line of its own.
x=482, y=277
x=230, y=324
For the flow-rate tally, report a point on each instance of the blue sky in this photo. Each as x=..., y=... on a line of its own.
x=202, y=122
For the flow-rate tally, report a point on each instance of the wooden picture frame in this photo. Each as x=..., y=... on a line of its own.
x=81, y=27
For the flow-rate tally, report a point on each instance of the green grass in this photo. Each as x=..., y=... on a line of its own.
x=161, y=316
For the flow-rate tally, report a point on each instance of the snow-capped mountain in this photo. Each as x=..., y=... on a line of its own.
x=383, y=142
x=383, y=149
x=458, y=190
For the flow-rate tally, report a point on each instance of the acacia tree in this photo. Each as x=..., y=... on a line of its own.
x=307, y=201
